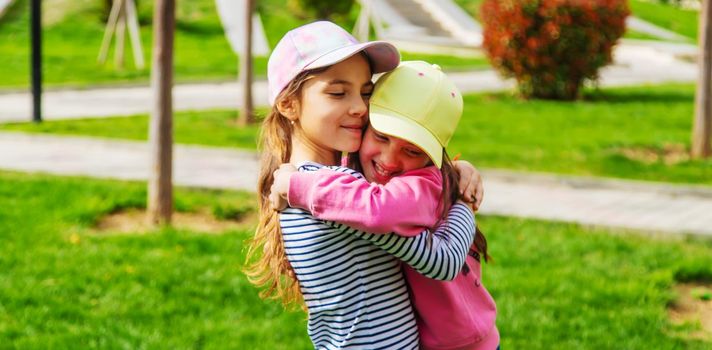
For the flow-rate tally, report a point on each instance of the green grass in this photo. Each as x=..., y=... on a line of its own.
x=673, y=18
x=211, y=128
x=450, y=63
x=632, y=34
x=631, y=133
x=64, y=287
x=471, y=6
x=71, y=44
x=71, y=47
x=636, y=133
x=678, y=20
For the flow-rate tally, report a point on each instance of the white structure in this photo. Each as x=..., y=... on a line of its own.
x=421, y=25
x=231, y=13
x=4, y=5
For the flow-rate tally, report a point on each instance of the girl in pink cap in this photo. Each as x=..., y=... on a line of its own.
x=408, y=186
x=351, y=283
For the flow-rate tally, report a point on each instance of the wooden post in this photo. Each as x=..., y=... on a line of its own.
x=120, y=35
x=160, y=187
x=135, y=33
x=123, y=14
x=702, y=130
x=246, y=111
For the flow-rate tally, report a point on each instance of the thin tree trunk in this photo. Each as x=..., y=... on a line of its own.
x=246, y=111
x=160, y=187
x=702, y=129
x=36, y=61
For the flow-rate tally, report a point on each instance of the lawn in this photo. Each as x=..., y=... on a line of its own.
x=212, y=128
x=73, y=31
x=673, y=18
x=65, y=286
x=635, y=133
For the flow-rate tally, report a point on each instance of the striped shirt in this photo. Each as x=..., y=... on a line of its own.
x=352, y=283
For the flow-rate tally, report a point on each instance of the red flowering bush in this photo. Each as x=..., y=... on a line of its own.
x=551, y=46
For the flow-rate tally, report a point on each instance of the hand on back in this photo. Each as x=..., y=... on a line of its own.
x=280, y=186
x=471, y=187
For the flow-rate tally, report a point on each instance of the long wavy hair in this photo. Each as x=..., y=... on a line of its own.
x=450, y=195
x=267, y=265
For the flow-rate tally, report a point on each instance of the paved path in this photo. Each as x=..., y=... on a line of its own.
x=636, y=63
x=626, y=204
x=615, y=203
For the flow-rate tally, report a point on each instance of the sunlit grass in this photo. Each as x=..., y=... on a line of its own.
x=64, y=286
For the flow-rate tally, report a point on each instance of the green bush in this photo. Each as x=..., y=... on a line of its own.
x=551, y=46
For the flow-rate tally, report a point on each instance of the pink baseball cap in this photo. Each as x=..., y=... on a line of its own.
x=321, y=44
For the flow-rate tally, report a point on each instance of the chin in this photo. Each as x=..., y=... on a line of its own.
x=351, y=148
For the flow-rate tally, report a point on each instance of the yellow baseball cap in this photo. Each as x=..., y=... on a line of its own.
x=417, y=103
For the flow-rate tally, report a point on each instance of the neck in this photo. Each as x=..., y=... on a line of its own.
x=304, y=150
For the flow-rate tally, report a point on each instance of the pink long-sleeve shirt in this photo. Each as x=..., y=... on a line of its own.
x=457, y=314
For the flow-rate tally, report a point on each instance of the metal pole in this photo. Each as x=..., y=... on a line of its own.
x=36, y=32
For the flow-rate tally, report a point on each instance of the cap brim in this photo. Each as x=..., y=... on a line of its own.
x=383, y=56
x=392, y=124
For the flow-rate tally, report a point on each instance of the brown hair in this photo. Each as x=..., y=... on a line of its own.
x=267, y=264
x=450, y=195
x=266, y=258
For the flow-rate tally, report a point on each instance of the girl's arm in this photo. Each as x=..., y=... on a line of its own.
x=406, y=204
x=438, y=256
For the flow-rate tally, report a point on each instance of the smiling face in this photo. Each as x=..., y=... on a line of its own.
x=382, y=156
x=333, y=110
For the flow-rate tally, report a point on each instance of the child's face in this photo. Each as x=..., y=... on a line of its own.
x=334, y=106
x=383, y=157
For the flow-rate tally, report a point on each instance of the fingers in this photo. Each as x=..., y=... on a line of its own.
x=474, y=191
x=280, y=186
x=464, y=184
x=278, y=202
x=479, y=195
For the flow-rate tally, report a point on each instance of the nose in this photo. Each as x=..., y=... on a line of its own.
x=389, y=158
x=359, y=107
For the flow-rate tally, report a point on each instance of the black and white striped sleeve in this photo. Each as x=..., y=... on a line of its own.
x=441, y=257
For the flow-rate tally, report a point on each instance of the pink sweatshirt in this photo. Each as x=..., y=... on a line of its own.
x=457, y=314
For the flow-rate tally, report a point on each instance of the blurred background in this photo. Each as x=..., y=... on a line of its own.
x=590, y=121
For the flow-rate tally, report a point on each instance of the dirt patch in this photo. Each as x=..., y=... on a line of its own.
x=669, y=154
x=693, y=309
x=135, y=221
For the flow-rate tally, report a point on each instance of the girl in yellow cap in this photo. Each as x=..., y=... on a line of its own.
x=319, y=79
x=409, y=185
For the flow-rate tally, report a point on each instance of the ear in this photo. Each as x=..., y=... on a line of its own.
x=288, y=107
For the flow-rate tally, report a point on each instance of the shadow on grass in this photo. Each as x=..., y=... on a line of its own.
x=639, y=96
x=198, y=28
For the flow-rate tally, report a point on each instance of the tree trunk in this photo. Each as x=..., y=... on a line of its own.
x=246, y=111
x=702, y=129
x=160, y=187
